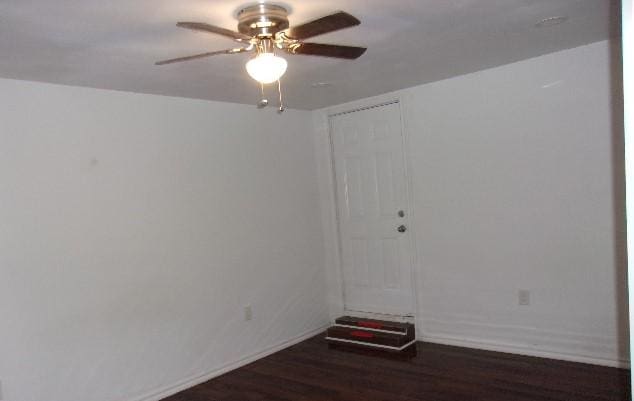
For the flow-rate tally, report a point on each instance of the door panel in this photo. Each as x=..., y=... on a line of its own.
x=371, y=190
x=385, y=184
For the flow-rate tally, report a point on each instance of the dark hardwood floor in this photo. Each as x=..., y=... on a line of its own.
x=311, y=371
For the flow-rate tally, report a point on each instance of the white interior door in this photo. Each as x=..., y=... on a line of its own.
x=372, y=209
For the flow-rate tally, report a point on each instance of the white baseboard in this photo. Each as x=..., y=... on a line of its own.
x=520, y=350
x=192, y=381
x=184, y=384
x=473, y=331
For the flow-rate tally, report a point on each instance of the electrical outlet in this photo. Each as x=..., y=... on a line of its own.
x=524, y=297
x=248, y=313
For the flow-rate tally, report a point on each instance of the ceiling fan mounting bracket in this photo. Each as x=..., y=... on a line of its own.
x=262, y=20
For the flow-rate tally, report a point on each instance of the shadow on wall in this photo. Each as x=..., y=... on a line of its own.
x=618, y=180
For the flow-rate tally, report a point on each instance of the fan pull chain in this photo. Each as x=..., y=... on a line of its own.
x=279, y=91
x=263, y=101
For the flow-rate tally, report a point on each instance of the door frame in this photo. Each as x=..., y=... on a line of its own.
x=337, y=258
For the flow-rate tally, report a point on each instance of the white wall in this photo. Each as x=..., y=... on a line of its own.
x=133, y=231
x=516, y=184
x=135, y=228
x=628, y=89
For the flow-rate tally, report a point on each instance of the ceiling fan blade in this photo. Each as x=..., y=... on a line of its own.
x=320, y=49
x=202, y=27
x=330, y=23
x=202, y=55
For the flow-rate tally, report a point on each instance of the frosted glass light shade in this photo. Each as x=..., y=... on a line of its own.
x=266, y=68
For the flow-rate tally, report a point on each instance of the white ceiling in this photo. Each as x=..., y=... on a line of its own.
x=113, y=44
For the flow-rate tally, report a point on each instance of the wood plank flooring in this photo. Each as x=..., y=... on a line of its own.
x=313, y=371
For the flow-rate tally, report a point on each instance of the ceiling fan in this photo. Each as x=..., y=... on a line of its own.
x=264, y=29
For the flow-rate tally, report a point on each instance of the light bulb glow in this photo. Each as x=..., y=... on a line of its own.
x=266, y=68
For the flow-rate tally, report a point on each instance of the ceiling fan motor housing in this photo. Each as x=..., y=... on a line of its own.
x=262, y=20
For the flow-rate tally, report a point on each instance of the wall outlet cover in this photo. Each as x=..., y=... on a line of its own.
x=248, y=313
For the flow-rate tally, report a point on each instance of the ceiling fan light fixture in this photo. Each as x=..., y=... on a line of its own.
x=266, y=68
